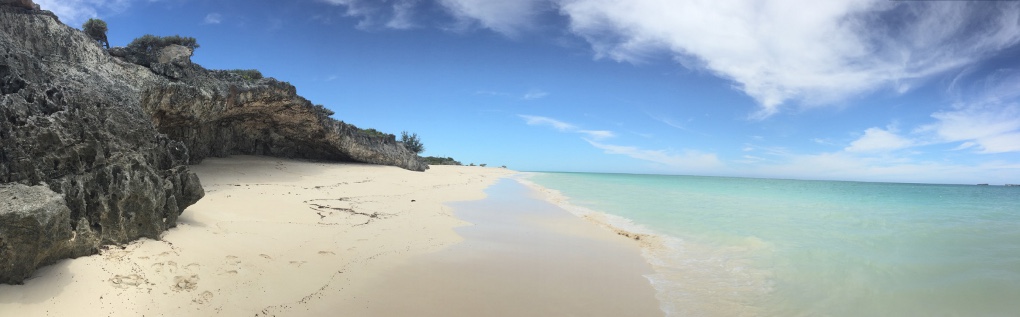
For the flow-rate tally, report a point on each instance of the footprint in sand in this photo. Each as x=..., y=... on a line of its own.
x=266, y=256
x=168, y=267
x=298, y=263
x=233, y=264
x=185, y=283
x=127, y=281
x=327, y=253
x=203, y=298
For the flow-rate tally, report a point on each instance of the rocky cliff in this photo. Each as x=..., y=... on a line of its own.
x=94, y=148
x=218, y=113
x=81, y=164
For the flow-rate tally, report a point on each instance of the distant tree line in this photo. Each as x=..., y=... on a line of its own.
x=433, y=160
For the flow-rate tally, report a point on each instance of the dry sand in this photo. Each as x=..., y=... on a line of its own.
x=279, y=237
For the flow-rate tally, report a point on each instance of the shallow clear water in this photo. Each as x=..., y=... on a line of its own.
x=737, y=246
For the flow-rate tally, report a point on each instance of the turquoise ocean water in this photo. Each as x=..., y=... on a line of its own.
x=768, y=247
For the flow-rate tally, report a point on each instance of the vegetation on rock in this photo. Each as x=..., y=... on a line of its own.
x=433, y=160
x=96, y=29
x=246, y=74
x=412, y=142
x=376, y=133
x=151, y=43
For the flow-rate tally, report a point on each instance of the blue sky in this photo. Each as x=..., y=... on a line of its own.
x=872, y=90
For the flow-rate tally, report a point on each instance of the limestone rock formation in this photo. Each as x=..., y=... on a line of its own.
x=72, y=128
x=33, y=229
x=219, y=113
x=95, y=145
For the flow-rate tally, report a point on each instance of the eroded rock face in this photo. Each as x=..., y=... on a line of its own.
x=217, y=113
x=71, y=126
x=34, y=229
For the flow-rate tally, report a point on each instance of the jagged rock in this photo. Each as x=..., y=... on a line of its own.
x=26, y=4
x=35, y=228
x=215, y=115
x=71, y=121
x=172, y=61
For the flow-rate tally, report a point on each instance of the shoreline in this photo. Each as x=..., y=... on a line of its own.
x=276, y=237
x=522, y=256
x=272, y=236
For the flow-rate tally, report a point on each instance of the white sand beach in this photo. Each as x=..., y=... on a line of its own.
x=276, y=237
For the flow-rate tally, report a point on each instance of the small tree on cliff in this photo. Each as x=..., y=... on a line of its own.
x=96, y=29
x=412, y=142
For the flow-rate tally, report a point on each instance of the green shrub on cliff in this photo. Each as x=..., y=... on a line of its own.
x=151, y=43
x=96, y=29
x=247, y=74
x=412, y=142
x=376, y=133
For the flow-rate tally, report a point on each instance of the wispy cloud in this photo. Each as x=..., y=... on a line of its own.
x=673, y=123
x=213, y=18
x=397, y=14
x=987, y=128
x=506, y=17
x=566, y=127
x=688, y=160
x=546, y=121
x=76, y=12
x=534, y=94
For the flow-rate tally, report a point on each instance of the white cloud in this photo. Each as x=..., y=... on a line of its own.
x=505, y=17
x=598, y=134
x=76, y=12
x=847, y=166
x=817, y=52
x=556, y=124
x=375, y=14
x=877, y=139
x=989, y=128
x=566, y=127
x=684, y=161
x=213, y=18
x=535, y=94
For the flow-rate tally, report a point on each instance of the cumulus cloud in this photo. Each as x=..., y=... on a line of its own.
x=76, y=12
x=397, y=14
x=877, y=139
x=780, y=52
x=775, y=52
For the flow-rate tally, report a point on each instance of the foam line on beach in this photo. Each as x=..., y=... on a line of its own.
x=690, y=279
